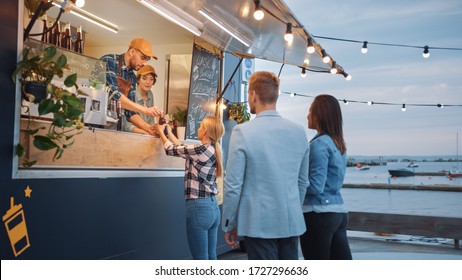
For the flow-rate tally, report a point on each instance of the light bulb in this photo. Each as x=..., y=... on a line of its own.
x=426, y=52
x=347, y=76
x=80, y=3
x=306, y=62
x=345, y=101
x=288, y=36
x=333, y=69
x=403, y=108
x=325, y=56
x=370, y=103
x=292, y=94
x=364, y=48
x=303, y=74
x=310, y=47
x=258, y=13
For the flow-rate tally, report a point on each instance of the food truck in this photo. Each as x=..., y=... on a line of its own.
x=115, y=194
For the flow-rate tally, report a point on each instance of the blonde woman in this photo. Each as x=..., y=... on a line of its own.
x=203, y=165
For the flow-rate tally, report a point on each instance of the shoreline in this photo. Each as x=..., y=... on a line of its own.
x=446, y=188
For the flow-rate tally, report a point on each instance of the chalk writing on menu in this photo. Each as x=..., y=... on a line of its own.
x=203, y=89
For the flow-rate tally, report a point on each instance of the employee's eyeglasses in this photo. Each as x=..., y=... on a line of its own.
x=143, y=57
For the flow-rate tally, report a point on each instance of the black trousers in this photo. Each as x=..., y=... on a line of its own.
x=325, y=237
x=271, y=249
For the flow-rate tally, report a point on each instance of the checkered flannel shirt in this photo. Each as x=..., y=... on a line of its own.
x=200, y=168
x=112, y=70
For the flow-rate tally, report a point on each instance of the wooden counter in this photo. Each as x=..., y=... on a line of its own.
x=102, y=148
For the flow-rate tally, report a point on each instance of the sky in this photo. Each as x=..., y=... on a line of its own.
x=384, y=74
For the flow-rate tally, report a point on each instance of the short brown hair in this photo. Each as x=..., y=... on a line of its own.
x=266, y=86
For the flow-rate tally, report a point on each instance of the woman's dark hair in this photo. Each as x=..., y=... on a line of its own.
x=327, y=116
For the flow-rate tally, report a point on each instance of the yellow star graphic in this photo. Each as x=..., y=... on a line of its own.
x=27, y=192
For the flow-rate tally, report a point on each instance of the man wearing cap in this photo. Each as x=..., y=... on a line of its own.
x=146, y=77
x=121, y=79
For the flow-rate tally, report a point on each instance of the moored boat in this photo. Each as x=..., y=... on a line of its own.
x=455, y=174
x=401, y=172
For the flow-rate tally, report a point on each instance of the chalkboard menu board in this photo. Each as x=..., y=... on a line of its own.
x=203, y=88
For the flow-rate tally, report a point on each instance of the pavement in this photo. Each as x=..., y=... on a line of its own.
x=371, y=246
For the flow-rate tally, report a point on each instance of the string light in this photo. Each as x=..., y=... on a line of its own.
x=310, y=46
x=288, y=36
x=403, y=108
x=364, y=48
x=346, y=75
x=303, y=74
x=325, y=56
x=80, y=3
x=426, y=52
x=258, y=14
x=333, y=69
x=370, y=103
x=365, y=43
x=306, y=62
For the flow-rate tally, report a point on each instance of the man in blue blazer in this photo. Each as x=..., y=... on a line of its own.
x=266, y=177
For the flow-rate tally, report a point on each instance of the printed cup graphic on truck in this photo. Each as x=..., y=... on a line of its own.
x=16, y=228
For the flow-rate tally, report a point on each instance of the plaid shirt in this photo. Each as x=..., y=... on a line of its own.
x=112, y=70
x=200, y=168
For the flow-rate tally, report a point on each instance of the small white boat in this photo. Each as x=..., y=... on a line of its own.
x=412, y=165
x=360, y=166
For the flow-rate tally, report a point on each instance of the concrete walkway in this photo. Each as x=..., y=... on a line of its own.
x=368, y=246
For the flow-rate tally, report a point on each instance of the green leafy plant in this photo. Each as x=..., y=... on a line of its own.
x=66, y=107
x=239, y=112
x=180, y=116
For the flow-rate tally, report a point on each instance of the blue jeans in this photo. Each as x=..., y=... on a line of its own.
x=202, y=221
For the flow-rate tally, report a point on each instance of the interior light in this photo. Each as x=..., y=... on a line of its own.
x=364, y=48
x=88, y=16
x=403, y=108
x=258, y=14
x=173, y=14
x=325, y=56
x=426, y=52
x=303, y=74
x=310, y=46
x=217, y=23
x=288, y=36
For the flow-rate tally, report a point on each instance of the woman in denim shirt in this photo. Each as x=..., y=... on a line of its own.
x=326, y=216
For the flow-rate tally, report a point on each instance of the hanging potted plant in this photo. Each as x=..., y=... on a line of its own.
x=239, y=112
x=36, y=71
